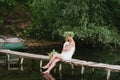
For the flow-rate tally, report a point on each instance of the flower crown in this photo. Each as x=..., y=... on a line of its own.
x=69, y=33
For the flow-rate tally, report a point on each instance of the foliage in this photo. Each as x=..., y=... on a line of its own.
x=8, y=2
x=91, y=20
x=5, y=5
x=53, y=52
x=8, y=5
x=97, y=35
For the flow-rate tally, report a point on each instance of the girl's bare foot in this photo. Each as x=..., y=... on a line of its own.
x=44, y=67
x=46, y=72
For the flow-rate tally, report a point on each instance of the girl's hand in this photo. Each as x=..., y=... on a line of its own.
x=66, y=48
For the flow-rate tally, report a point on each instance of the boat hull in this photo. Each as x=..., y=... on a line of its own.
x=12, y=45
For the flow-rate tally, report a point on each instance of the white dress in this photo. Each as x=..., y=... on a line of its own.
x=67, y=55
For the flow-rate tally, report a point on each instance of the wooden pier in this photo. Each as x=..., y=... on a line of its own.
x=74, y=62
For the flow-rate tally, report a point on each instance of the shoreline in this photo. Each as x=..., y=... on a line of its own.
x=34, y=43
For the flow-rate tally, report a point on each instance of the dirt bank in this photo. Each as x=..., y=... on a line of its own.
x=43, y=43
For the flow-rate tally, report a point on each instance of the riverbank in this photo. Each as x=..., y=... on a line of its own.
x=42, y=43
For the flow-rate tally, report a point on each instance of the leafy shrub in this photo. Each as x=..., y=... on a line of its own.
x=91, y=20
x=8, y=2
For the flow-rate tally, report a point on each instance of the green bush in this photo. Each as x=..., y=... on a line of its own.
x=8, y=2
x=91, y=20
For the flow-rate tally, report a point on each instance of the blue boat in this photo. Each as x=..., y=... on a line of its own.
x=12, y=43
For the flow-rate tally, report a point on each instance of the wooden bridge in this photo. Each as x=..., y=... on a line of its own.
x=74, y=62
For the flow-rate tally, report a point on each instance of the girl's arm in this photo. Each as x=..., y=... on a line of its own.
x=66, y=48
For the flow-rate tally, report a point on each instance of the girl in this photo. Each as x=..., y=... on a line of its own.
x=67, y=53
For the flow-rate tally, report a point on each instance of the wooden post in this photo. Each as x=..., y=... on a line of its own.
x=21, y=63
x=8, y=64
x=93, y=69
x=40, y=63
x=72, y=66
x=108, y=74
x=60, y=74
x=8, y=57
x=82, y=70
x=21, y=60
x=60, y=66
x=54, y=69
x=21, y=67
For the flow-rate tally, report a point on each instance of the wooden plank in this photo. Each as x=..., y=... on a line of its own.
x=77, y=62
x=95, y=65
x=73, y=61
x=108, y=74
x=24, y=54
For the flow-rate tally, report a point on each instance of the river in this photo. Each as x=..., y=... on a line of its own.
x=33, y=72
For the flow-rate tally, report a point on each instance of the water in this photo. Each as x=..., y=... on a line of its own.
x=33, y=72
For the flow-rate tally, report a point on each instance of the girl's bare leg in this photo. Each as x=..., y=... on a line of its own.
x=52, y=59
x=52, y=65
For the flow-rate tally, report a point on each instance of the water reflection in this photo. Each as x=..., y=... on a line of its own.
x=62, y=76
x=48, y=76
x=31, y=68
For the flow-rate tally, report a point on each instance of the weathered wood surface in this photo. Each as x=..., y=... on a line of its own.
x=77, y=62
x=24, y=54
x=94, y=64
x=73, y=61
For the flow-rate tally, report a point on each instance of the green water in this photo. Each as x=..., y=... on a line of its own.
x=33, y=72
